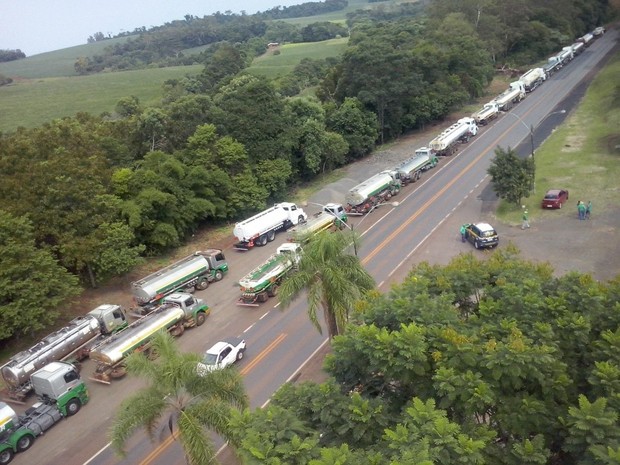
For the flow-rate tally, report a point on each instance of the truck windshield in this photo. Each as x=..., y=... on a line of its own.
x=210, y=359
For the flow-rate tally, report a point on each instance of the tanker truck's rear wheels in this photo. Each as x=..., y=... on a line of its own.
x=262, y=297
x=271, y=235
x=262, y=240
x=24, y=443
x=273, y=291
x=73, y=407
x=202, y=284
x=6, y=456
x=178, y=330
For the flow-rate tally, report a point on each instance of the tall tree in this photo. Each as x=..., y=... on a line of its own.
x=512, y=177
x=32, y=283
x=177, y=399
x=332, y=278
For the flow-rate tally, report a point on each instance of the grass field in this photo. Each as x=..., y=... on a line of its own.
x=581, y=155
x=274, y=65
x=30, y=103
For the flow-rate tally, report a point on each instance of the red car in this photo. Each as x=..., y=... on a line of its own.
x=554, y=198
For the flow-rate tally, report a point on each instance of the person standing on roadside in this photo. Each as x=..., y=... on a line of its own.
x=588, y=210
x=463, y=233
x=526, y=222
x=581, y=209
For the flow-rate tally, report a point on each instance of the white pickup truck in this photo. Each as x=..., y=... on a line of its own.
x=221, y=355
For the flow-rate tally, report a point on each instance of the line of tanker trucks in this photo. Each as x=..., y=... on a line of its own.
x=163, y=300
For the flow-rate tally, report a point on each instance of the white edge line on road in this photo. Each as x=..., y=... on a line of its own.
x=97, y=453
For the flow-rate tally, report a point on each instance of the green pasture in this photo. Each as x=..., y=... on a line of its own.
x=582, y=154
x=30, y=103
x=54, y=64
x=274, y=65
x=341, y=16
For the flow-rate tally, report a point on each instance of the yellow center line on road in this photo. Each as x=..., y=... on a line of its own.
x=246, y=369
x=434, y=198
x=170, y=439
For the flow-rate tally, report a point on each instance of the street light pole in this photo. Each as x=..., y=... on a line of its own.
x=531, y=128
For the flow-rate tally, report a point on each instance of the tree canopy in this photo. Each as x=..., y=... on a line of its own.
x=494, y=361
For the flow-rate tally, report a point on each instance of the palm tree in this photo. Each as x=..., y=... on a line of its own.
x=177, y=399
x=332, y=278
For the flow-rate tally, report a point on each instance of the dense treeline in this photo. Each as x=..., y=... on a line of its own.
x=10, y=55
x=478, y=362
x=304, y=10
x=100, y=192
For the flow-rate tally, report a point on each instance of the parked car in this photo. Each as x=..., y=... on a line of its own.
x=555, y=198
x=481, y=235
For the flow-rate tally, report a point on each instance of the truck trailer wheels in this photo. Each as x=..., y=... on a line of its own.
x=24, y=442
x=271, y=235
x=6, y=456
x=262, y=240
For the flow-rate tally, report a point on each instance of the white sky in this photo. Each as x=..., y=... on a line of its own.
x=37, y=26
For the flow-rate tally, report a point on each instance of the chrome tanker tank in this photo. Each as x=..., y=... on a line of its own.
x=116, y=347
x=55, y=346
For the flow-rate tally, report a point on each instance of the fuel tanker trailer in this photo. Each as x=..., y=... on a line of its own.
x=176, y=313
x=410, y=170
x=372, y=192
x=195, y=271
x=447, y=142
x=73, y=341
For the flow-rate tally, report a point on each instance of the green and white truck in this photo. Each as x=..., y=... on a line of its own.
x=264, y=281
x=61, y=394
x=193, y=272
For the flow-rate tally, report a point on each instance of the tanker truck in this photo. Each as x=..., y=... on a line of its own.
x=447, y=142
x=263, y=282
x=410, y=170
x=533, y=78
x=332, y=215
x=195, y=271
x=61, y=394
x=176, y=313
x=372, y=192
x=262, y=227
x=487, y=113
x=73, y=341
x=514, y=94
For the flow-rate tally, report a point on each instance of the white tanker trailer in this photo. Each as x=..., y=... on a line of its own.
x=447, y=142
x=533, y=78
x=262, y=227
x=370, y=193
x=72, y=341
x=410, y=170
x=177, y=312
x=514, y=94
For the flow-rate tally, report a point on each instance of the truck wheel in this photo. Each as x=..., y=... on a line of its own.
x=73, y=407
x=262, y=297
x=218, y=275
x=202, y=284
x=271, y=235
x=6, y=456
x=261, y=241
x=200, y=318
x=24, y=442
x=301, y=220
x=117, y=372
x=239, y=355
x=273, y=291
